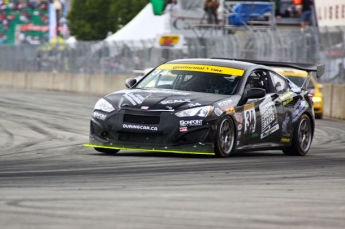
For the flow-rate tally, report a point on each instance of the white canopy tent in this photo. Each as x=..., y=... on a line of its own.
x=144, y=26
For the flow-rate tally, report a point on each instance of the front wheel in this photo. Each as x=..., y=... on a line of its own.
x=302, y=137
x=225, y=138
x=107, y=151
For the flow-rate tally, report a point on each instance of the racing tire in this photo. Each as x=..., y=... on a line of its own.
x=225, y=137
x=302, y=137
x=107, y=151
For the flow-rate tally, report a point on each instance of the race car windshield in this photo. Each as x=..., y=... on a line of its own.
x=191, y=81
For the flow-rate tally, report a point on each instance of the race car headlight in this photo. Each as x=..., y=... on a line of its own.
x=317, y=99
x=197, y=111
x=104, y=105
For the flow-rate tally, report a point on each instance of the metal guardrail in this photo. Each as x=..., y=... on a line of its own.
x=312, y=45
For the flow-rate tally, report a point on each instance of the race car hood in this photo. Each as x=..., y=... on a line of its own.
x=161, y=99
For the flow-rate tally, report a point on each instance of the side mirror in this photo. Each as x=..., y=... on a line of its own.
x=255, y=93
x=130, y=82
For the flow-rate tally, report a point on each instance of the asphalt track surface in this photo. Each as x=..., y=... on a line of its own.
x=49, y=180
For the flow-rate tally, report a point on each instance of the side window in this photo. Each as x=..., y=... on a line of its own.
x=279, y=83
x=258, y=79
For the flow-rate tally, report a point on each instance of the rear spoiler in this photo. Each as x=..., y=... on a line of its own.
x=319, y=69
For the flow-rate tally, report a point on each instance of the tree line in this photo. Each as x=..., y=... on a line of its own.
x=92, y=20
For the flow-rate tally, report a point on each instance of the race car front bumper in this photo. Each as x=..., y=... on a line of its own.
x=152, y=131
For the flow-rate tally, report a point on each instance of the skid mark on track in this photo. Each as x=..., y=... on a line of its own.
x=9, y=137
x=329, y=135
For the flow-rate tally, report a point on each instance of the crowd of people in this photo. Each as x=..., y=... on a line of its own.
x=25, y=12
x=15, y=12
x=284, y=9
x=295, y=8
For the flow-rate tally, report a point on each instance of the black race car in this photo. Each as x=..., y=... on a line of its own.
x=219, y=106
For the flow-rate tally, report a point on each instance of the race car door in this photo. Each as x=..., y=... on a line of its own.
x=289, y=101
x=261, y=116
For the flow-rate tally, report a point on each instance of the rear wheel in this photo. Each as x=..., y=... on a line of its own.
x=225, y=138
x=107, y=151
x=302, y=137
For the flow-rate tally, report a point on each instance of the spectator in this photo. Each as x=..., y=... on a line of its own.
x=5, y=23
x=172, y=5
x=3, y=38
x=305, y=12
x=210, y=7
x=282, y=8
x=23, y=17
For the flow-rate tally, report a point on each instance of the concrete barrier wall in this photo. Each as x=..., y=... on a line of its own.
x=338, y=102
x=333, y=95
x=78, y=83
x=327, y=92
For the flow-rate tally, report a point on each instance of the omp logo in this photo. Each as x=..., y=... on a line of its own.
x=225, y=103
x=139, y=127
x=190, y=122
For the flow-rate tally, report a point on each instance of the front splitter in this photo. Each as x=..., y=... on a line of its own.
x=194, y=149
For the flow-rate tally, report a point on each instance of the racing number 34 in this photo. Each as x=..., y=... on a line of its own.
x=250, y=119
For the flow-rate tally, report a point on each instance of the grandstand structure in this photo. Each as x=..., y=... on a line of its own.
x=191, y=19
x=21, y=22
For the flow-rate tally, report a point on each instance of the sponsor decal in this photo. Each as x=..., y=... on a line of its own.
x=255, y=135
x=294, y=88
x=169, y=40
x=218, y=111
x=238, y=142
x=202, y=68
x=226, y=104
x=190, y=122
x=168, y=92
x=144, y=107
x=99, y=115
x=134, y=98
x=239, y=133
x=194, y=104
x=299, y=109
x=230, y=110
x=285, y=124
x=169, y=107
x=183, y=129
x=139, y=127
x=269, y=122
x=239, y=117
x=286, y=96
x=287, y=101
x=249, y=118
x=130, y=99
x=176, y=101
x=239, y=127
x=286, y=140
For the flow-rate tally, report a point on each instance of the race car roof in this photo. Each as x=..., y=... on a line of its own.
x=244, y=64
x=216, y=62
